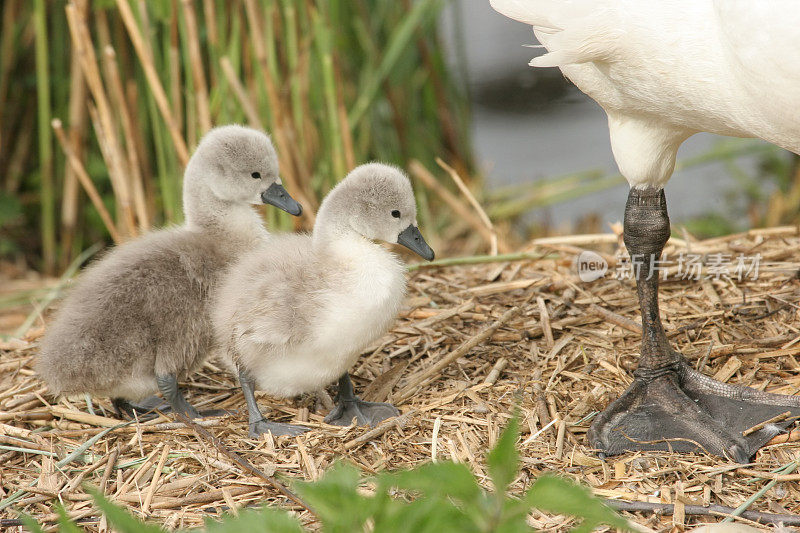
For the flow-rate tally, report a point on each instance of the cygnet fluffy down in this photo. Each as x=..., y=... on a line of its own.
x=294, y=315
x=138, y=318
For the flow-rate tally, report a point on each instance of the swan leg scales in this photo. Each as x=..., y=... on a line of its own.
x=669, y=406
x=349, y=407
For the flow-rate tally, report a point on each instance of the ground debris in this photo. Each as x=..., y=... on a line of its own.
x=560, y=371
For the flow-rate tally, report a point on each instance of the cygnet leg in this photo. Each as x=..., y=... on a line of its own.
x=349, y=406
x=256, y=421
x=168, y=385
x=669, y=406
x=146, y=409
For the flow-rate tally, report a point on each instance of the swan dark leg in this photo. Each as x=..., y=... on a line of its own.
x=349, y=406
x=669, y=406
x=175, y=401
x=257, y=423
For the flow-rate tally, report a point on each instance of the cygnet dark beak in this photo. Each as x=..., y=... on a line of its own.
x=276, y=195
x=412, y=239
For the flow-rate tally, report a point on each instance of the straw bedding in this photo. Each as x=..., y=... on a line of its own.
x=472, y=342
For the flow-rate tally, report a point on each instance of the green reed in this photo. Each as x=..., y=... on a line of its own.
x=335, y=83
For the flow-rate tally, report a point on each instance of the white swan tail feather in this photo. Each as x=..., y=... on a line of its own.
x=534, y=12
x=577, y=31
x=556, y=59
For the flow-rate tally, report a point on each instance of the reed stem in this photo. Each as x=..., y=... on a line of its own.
x=397, y=43
x=47, y=193
x=153, y=80
x=139, y=83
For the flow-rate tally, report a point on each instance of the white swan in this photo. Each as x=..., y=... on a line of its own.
x=664, y=70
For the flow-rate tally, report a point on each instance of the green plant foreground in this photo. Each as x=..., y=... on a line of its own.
x=435, y=497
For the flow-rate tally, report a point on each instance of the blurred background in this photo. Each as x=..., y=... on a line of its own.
x=533, y=126
x=102, y=102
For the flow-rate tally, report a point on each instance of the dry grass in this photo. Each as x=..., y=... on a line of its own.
x=525, y=332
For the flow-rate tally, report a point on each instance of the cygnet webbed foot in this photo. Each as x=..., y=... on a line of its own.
x=263, y=426
x=349, y=406
x=149, y=408
x=365, y=413
x=143, y=410
x=168, y=385
x=680, y=409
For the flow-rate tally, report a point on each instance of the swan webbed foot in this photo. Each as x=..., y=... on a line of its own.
x=365, y=413
x=263, y=426
x=679, y=409
x=669, y=406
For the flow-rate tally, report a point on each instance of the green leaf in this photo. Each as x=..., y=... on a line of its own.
x=556, y=495
x=65, y=525
x=336, y=501
x=450, y=499
x=513, y=516
x=425, y=515
x=517, y=525
x=10, y=209
x=264, y=520
x=119, y=517
x=398, y=42
x=30, y=523
x=436, y=479
x=503, y=459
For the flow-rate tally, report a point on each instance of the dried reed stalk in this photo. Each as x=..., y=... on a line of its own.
x=77, y=130
x=86, y=182
x=136, y=182
x=493, y=242
x=248, y=107
x=146, y=61
x=103, y=120
x=196, y=62
x=424, y=175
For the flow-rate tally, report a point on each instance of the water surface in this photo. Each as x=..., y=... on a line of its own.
x=530, y=124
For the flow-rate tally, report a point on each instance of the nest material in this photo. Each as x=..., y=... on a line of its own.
x=472, y=343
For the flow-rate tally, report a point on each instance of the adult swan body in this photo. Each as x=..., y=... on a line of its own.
x=664, y=70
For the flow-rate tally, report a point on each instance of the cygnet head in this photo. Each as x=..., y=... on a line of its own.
x=239, y=165
x=376, y=202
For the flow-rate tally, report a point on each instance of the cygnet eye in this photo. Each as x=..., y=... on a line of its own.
x=256, y=175
x=395, y=213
